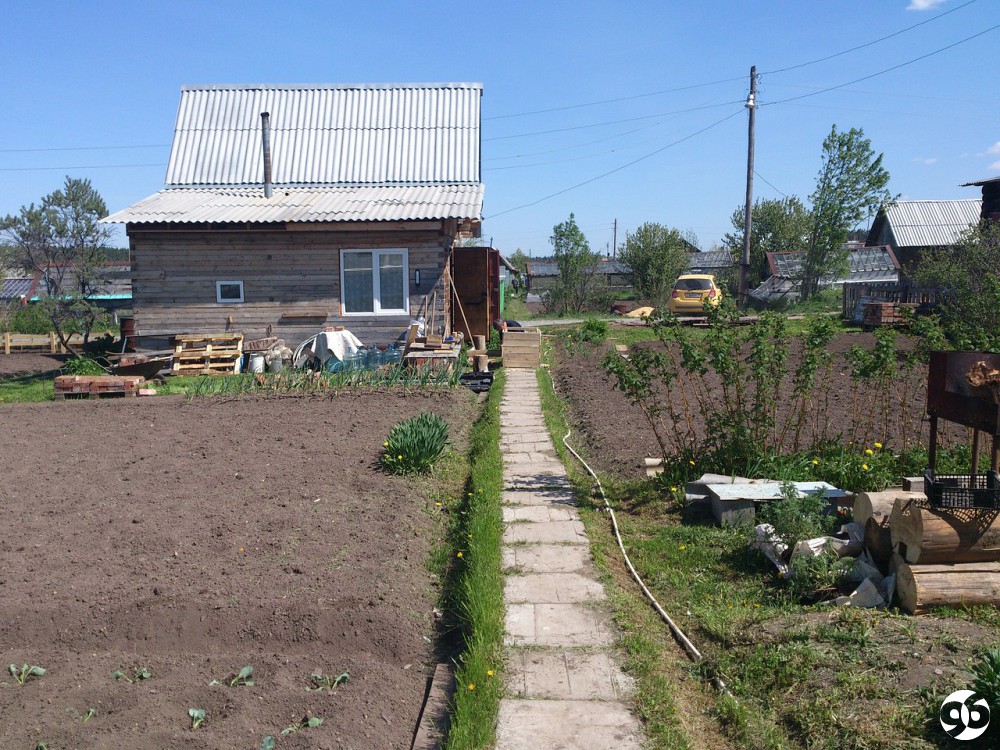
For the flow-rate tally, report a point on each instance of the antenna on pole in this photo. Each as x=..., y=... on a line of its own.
x=751, y=105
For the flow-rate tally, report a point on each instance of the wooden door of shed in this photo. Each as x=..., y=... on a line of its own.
x=470, y=266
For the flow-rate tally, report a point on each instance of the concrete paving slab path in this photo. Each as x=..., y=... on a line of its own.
x=563, y=687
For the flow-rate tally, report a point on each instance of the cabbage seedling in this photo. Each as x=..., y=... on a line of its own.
x=240, y=679
x=138, y=676
x=26, y=671
x=197, y=717
x=307, y=721
x=321, y=682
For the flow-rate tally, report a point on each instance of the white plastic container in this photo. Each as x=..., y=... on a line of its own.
x=256, y=363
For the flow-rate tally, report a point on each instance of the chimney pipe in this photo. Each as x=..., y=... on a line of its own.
x=265, y=125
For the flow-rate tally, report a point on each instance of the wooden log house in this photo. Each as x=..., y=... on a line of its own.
x=288, y=208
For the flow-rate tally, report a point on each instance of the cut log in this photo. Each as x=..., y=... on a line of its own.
x=944, y=535
x=868, y=504
x=878, y=540
x=920, y=588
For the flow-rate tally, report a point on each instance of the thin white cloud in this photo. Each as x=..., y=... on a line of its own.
x=926, y=160
x=994, y=149
x=995, y=165
x=923, y=4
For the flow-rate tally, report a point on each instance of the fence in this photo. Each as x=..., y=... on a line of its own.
x=48, y=342
x=855, y=295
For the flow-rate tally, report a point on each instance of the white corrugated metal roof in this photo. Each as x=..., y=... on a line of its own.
x=328, y=134
x=931, y=223
x=306, y=204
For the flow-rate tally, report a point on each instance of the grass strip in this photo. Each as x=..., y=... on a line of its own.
x=648, y=645
x=476, y=585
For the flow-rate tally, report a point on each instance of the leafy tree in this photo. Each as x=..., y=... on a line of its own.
x=657, y=256
x=577, y=264
x=850, y=187
x=62, y=239
x=519, y=259
x=967, y=277
x=775, y=226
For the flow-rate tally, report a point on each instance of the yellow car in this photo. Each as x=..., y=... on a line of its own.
x=690, y=292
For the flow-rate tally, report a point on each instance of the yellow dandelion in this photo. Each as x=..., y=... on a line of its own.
x=756, y=606
x=400, y=457
x=489, y=672
x=480, y=490
x=458, y=555
x=673, y=489
x=864, y=466
x=815, y=462
x=470, y=536
x=682, y=546
x=472, y=686
x=878, y=445
x=438, y=504
x=869, y=452
x=691, y=462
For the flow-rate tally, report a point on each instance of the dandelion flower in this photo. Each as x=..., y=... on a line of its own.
x=673, y=489
x=438, y=504
x=682, y=546
x=878, y=445
x=691, y=462
x=458, y=555
x=864, y=466
x=472, y=686
x=470, y=536
x=815, y=462
x=489, y=672
x=400, y=457
x=385, y=444
x=869, y=452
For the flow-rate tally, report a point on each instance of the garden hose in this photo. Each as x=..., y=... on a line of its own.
x=693, y=653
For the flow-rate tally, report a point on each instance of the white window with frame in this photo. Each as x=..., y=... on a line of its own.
x=228, y=292
x=375, y=282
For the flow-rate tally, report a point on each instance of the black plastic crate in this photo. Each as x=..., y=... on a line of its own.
x=962, y=490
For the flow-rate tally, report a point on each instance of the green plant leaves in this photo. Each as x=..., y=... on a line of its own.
x=197, y=717
x=267, y=743
x=415, y=445
x=323, y=682
x=307, y=722
x=22, y=673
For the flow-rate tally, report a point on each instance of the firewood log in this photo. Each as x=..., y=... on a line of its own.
x=868, y=504
x=944, y=535
x=878, y=540
x=920, y=588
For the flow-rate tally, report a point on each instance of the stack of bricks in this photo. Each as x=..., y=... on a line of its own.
x=96, y=386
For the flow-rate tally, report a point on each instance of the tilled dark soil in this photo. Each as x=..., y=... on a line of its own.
x=196, y=537
x=617, y=436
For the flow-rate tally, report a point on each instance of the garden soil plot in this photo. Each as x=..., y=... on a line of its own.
x=23, y=363
x=196, y=537
x=617, y=436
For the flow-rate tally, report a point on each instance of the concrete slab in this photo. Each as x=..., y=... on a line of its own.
x=551, y=497
x=534, y=470
x=566, y=725
x=549, y=558
x=550, y=532
x=552, y=588
x=547, y=460
x=566, y=674
x=514, y=481
x=540, y=513
x=557, y=625
x=519, y=447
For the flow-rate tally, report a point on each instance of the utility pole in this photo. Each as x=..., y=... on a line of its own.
x=751, y=105
x=614, y=241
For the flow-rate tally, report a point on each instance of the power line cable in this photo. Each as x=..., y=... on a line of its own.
x=618, y=169
x=612, y=122
x=617, y=99
x=79, y=148
x=766, y=182
x=883, y=72
x=90, y=166
x=868, y=44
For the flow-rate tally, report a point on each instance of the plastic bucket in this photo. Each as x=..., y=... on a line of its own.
x=274, y=365
x=256, y=363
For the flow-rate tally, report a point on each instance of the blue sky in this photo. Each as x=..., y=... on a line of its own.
x=92, y=88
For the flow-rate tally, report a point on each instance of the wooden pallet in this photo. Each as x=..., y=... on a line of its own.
x=522, y=348
x=209, y=354
x=98, y=386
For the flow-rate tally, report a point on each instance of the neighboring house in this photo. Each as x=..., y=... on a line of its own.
x=115, y=291
x=542, y=275
x=288, y=208
x=866, y=265
x=912, y=227
x=991, y=197
x=712, y=261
